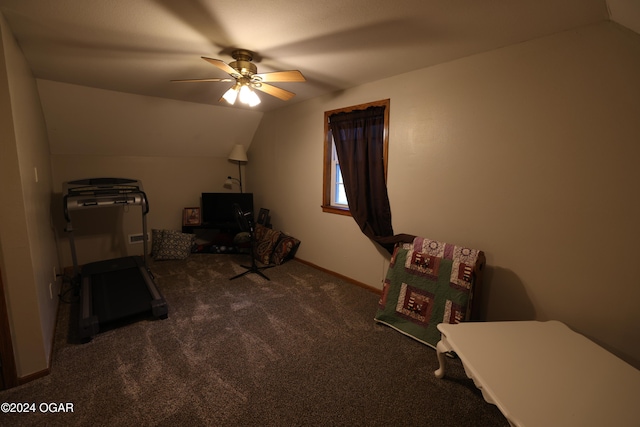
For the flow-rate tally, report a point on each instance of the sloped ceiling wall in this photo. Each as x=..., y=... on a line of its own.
x=89, y=121
x=626, y=13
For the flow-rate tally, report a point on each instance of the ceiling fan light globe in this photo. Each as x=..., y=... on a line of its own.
x=231, y=95
x=254, y=99
x=245, y=94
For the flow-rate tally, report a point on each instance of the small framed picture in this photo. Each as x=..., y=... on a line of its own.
x=263, y=216
x=191, y=216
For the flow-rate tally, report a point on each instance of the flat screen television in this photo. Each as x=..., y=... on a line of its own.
x=217, y=208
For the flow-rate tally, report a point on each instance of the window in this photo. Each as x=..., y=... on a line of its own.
x=338, y=195
x=334, y=199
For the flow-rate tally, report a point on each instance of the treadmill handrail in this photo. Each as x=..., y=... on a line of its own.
x=103, y=199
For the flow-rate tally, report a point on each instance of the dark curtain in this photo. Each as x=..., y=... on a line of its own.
x=359, y=141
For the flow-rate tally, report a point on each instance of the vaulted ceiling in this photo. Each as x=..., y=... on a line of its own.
x=139, y=46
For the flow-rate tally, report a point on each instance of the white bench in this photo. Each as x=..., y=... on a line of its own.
x=544, y=374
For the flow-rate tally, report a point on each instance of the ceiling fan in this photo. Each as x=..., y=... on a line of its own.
x=246, y=78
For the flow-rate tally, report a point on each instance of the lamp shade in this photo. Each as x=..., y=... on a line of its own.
x=238, y=154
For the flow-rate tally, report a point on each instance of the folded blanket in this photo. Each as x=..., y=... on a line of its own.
x=428, y=282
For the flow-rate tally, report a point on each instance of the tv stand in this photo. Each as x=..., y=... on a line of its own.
x=223, y=227
x=216, y=237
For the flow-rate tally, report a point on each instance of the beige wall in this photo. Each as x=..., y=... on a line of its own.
x=173, y=147
x=528, y=153
x=170, y=183
x=28, y=251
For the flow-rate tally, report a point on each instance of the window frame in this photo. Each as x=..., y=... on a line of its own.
x=327, y=175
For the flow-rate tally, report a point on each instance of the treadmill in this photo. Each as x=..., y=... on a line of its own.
x=117, y=291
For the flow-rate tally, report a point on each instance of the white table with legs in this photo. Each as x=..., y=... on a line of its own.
x=544, y=374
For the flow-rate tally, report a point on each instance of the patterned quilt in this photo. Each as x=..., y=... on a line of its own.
x=428, y=282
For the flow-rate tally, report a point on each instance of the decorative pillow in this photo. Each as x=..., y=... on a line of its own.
x=284, y=249
x=266, y=239
x=156, y=241
x=172, y=245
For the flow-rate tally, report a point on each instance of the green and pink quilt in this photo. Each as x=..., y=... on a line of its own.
x=428, y=282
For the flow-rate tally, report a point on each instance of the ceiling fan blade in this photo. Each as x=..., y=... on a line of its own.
x=285, y=95
x=281, y=76
x=202, y=80
x=223, y=66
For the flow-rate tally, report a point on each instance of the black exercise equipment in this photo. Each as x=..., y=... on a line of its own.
x=115, y=291
x=245, y=222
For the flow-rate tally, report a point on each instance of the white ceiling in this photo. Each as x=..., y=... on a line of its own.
x=138, y=46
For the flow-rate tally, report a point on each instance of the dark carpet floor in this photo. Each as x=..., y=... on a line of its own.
x=299, y=350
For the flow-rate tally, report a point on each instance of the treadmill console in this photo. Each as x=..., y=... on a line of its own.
x=102, y=192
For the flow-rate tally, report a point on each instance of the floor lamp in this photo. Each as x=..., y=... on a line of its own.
x=238, y=154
